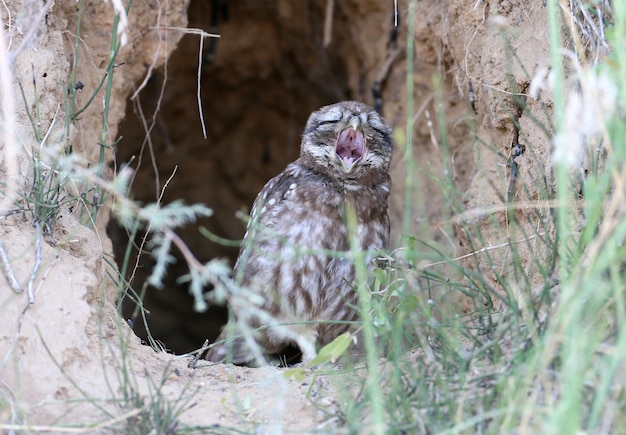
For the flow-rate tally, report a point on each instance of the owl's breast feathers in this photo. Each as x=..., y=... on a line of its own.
x=297, y=233
x=304, y=194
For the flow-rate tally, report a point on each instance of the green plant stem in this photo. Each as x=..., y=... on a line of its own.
x=115, y=46
x=365, y=307
x=619, y=42
x=408, y=154
x=562, y=174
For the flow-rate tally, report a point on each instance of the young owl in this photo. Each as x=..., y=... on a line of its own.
x=291, y=254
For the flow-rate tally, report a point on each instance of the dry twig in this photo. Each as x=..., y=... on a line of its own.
x=8, y=271
x=328, y=23
x=33, y=274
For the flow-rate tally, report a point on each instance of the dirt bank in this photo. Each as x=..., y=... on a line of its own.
x=62, y=355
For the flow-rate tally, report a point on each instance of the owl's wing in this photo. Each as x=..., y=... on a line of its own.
x=275, y=196
x=265, y=229
x=256, y=262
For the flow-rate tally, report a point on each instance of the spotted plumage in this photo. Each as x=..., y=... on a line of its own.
x=292, y=253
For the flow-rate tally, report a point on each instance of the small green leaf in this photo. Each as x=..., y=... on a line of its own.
x=297, y=373
x=333, y=350
x=380, y=275
x=410, y=304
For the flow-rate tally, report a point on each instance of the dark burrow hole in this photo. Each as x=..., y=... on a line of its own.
x=260, y=81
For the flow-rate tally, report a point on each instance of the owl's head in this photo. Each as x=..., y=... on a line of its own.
x=346, y=140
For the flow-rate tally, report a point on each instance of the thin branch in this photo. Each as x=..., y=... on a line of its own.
x=45, y=275
x=481, y=212
x=153, y=63
x=328, y=23
x=68, y=429
x=30, y=34
x=33, y=274
x=486, y=249
x=148, y=138
x=8, y=271
x=184, y=249
x=9, y=24
x=144, y=239
x=202, y=35
x=9, y=126
x=199, y=76
x=191, y=31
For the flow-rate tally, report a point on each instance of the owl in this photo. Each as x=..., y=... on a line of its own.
x=294, y=253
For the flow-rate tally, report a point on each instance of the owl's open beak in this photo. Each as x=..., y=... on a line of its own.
x=350, y=147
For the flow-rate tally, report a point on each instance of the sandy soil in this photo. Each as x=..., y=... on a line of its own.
x=61, y=358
